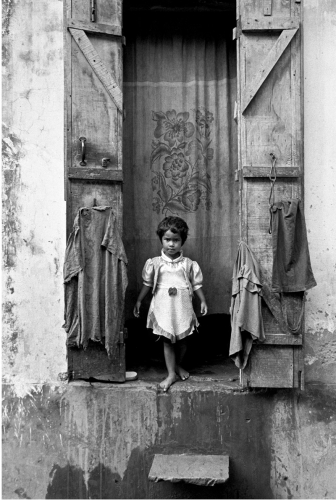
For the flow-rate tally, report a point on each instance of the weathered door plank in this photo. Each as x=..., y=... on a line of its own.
x=97, y=28
x=94, y=102
x=270, y=121
x=272, y=58
x=98, y=66
x=273, y=24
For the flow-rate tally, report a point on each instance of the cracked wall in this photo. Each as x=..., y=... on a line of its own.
x=98, y=441
x=33, y=206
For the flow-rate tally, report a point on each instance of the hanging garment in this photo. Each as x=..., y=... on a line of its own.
x=246, y=318
x=292, y=270
x=95, y=279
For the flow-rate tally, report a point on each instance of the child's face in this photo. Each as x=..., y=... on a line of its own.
x=171, y=244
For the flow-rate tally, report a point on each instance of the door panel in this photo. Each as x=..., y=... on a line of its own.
x=270, y=127
x=94, y=105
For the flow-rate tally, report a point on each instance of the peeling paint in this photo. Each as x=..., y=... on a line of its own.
x=32, y=186
x=34, y=247
x=69, y=440
x=11, y=332
x=21, y=493
x=7, y=12
x=309, y=360
x=302, y=448
x=128, y=425
x=11, y=229
x=27, y=56
x=57, y=265
x=12, y=153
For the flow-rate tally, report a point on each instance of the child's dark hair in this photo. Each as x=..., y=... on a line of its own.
x=175, y=225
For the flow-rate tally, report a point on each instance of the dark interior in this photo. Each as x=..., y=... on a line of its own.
x=208, y=347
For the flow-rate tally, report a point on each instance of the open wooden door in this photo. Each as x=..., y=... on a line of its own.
x=94, y=116
x=270, y=130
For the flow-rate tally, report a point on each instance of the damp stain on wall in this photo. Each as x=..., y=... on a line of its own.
x=320, y=355
x=10, y=341
x=31, y=243
x=7, y=12
x=98, y=441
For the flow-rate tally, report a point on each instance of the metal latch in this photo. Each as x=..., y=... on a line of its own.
x=105, y=162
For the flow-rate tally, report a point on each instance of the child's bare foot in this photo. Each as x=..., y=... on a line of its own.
x=182, y=373
x=167, y=382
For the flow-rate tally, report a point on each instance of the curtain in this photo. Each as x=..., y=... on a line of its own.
x=180, y=149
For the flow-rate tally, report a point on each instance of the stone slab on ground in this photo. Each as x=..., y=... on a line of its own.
x=203, y=470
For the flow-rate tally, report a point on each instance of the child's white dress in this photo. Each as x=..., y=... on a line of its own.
x=172, y=314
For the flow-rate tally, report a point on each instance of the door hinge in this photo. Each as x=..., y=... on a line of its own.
x=300, y=384
x=236, y=32
x=93, y=11
x=267, y=7
x=237, y=174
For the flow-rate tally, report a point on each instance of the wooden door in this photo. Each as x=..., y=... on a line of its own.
x=93, y=116
x=270, y=129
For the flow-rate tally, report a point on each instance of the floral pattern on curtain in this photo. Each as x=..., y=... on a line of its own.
x=183, y=153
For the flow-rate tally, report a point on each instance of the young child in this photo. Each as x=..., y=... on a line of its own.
x=173, y=279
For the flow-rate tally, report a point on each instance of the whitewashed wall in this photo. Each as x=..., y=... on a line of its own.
x=320, y=185
x=34, y=213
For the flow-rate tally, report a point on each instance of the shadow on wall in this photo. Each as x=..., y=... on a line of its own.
x=68, y=482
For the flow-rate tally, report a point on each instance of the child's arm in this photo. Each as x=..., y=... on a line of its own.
x=200, y=295
x=144, y=290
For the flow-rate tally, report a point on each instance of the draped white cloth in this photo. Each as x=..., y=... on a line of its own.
x=180, y=150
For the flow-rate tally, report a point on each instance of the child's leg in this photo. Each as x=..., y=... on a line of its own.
x=170, y=359
x=181, y=347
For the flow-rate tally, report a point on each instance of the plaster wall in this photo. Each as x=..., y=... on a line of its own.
x=33, y=197
x=319, y=21
x=97, y=441
x=104, y=439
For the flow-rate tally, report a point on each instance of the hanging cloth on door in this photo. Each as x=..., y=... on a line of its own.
x=95, y=280
x=246, y=318
x=292, y=271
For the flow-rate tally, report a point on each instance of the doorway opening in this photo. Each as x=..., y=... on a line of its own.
x=180, y=157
